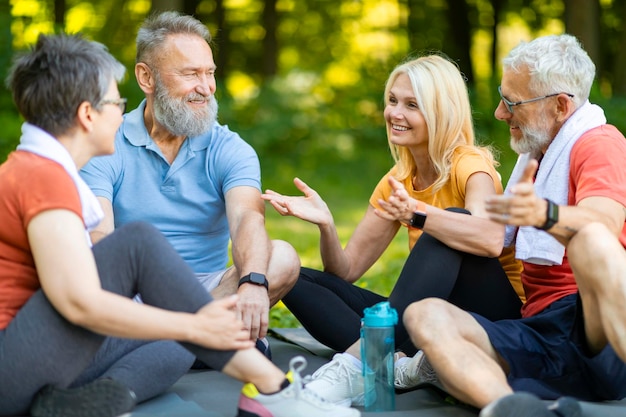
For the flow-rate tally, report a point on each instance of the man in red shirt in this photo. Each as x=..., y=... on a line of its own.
x=569, y=183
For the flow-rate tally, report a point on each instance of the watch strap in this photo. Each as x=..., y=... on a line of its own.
x=254, y=278
x=552, y=216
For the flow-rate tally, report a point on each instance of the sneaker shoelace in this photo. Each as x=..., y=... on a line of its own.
x=402, y=370
x=401, y=375
x=428, y=373
x=336, y=370
x=404, y=374
x=297, y=365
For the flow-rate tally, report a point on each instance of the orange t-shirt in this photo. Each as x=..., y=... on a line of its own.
x=29, y=184
x=596, y=170
x=452, y=194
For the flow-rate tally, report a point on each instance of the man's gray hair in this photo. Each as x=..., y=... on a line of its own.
x=556, y=64
x=60, y=72
x=155, y=30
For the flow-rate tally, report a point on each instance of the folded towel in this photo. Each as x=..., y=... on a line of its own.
x=552, y=182
x=38, y=141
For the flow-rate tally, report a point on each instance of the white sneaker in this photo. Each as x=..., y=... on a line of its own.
x=339, y=382
x=294, y=401
x=411, y=372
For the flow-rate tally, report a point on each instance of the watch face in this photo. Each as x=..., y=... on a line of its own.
x=254, y=278
x=418, y=220
x=257, y=278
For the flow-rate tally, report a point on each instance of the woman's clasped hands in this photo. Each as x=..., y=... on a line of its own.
x=399, y=206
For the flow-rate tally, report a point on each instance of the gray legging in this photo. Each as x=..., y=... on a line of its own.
x=40, y=347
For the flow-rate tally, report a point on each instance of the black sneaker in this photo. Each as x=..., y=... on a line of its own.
x=100, y=398
x=527, y=405
x=263, y=345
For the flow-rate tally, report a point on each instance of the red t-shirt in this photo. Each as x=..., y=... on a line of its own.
x=29, y=184
x=597, y=169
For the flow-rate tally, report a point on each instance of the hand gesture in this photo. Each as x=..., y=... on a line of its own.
x=521, y=207
x=216, y=326
x=311, y=207
x=399, y=206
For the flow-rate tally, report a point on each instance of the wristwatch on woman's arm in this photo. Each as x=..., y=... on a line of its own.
x=419, y=216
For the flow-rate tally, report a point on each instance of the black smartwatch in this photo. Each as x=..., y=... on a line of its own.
x=552, y=216
x=254, y=278
x=419, y=216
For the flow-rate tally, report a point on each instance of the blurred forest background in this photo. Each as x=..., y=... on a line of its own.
x=302, y=81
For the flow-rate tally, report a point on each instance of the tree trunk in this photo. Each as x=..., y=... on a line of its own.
x=166, y=5
x=582, y=19
x=114, y=25
x=454, y=24
x=619, y=66
x=413, y=23
x=222, y=40
x=59, y=14
x=270, y=42
x=460, y=36
x=6, y=40
x=190, y=7
x=495, y=62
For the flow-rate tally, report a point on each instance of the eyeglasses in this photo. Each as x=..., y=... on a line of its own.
x=509, y=104
x=119, y=102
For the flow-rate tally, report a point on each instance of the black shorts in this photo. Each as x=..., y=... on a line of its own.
x=548, y=356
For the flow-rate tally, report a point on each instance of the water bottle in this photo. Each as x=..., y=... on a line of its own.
x=377, y=349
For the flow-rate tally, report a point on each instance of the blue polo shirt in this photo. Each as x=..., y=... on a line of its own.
x=185, y=200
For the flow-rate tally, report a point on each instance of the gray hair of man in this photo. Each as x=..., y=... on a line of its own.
x=60, y=72
x=155, y=30
x=556, y=63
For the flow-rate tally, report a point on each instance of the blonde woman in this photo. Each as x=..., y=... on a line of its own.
x=436, y=190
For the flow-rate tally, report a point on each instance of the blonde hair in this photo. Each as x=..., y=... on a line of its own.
x=443, y=99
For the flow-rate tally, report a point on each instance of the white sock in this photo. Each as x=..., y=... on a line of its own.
x=353, y=359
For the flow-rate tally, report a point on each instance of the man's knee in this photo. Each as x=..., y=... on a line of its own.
x=598, y=260
x=284, y=264
x=424, y=319
x=594, y=251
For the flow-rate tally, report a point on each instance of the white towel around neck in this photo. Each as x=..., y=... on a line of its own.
x=38, y=141
x=552, y=182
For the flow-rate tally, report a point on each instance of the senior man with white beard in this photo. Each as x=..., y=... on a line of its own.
x=565, y=211
x=198, y=182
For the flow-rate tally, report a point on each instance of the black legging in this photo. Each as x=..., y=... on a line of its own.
x=331, y=309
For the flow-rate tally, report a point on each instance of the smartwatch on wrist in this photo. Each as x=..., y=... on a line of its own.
x=254, y=278
x=552, y=216
x=419, y=216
